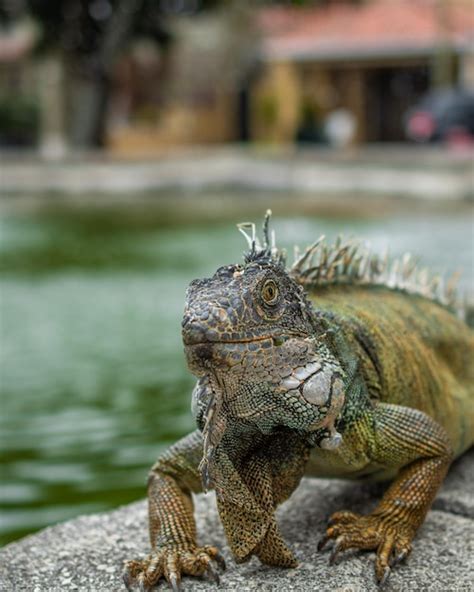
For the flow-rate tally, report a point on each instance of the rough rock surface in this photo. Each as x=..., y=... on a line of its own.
x=87, y=553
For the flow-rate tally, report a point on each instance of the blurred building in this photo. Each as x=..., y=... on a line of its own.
x=372, y=59
x=189, y=94
x=291, y=74
x=343, y=70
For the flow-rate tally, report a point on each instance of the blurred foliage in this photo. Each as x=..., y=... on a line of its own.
x=310, y=128
x=82, y=27
x=19, y=121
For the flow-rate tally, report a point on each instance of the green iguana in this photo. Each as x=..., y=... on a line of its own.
x=344, y=365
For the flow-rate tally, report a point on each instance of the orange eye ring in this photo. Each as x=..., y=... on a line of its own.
x=270, y=292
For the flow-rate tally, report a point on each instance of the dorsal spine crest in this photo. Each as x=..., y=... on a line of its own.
x=351, y=263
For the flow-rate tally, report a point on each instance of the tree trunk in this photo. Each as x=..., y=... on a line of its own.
x=91, y=89
x=89, y=111
x=51, y=96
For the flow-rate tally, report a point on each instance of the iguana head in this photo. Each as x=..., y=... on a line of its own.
x=249, y=334
x=256, y=306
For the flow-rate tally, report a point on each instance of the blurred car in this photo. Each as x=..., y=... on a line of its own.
x=443, y=115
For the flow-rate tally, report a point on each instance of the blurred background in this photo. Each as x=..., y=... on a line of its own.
x=134, y=134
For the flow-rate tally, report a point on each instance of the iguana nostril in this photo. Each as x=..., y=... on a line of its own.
x=193, y=331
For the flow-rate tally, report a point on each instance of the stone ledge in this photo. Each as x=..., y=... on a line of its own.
x=207, y=170
x=86, y=554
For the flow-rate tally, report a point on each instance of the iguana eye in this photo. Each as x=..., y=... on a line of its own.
x=269, y=292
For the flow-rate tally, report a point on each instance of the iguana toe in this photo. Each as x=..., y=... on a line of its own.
x=391, y=542
x=172, y=564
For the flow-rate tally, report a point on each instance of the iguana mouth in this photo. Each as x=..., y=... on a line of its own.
x=218, y=353
x=277, y=340
x=205, y=354
x=227, y=341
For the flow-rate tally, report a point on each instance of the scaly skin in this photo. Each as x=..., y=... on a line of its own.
x=172, y=527
x=330, y=380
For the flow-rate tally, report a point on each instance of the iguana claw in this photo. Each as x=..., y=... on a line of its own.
x=219, y=559
x=392, y=543
x=336, y=549
x=171, y=564
x=126, y=580
x=174, y=582
x=212, y=574
x=399, y=558
x=381, y=581
x=322, y=543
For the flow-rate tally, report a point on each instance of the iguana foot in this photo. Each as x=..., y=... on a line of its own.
x=172, y=564
x=389, y=538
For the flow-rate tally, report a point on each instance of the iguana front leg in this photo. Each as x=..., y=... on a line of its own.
x=396, y=437
x=252, y=492
x=172, y=527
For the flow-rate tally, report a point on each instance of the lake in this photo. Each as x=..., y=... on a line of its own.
x=93, y=378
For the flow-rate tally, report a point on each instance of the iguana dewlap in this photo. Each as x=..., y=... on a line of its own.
x=343, y=366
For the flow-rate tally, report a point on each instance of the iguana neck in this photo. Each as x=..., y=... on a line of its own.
x=337, y=335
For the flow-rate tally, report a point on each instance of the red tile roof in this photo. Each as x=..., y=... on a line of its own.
x=377, y=27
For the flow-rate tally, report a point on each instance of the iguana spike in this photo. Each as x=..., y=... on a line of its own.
x=296, y=254
x=408, y=266
x=352, y=263
x=373, y=266
x=406, y=259
x=298, y=264
x=393, y=277
x=385, y=258
x=338, y=256
x=349, y=257
x=435, y=283
x=242, y=228
x=437, y=289
x=324, y=256
x=266, y=223
x=252, y=240
x=423, y=278
x=364, y=265
x=354, y=269
x=451, y=287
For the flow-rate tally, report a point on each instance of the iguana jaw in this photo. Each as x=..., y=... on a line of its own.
x=214, y=354
x=276, y=338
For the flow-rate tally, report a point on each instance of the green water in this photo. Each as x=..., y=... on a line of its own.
x=93, y=378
